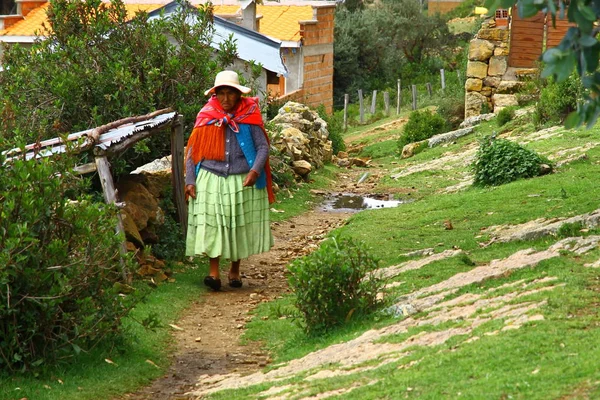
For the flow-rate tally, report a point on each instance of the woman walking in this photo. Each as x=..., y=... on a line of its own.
x=228, y=180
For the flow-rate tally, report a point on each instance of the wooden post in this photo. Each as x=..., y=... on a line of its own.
x=110, y=196
x=429, y=89
x=374, y=102
x=361, y=108
x=346, y=101
x=414, y=97
x=460, y=82
x=386, y=101
x=399, y=98
x=177, y=167
x=443, y=79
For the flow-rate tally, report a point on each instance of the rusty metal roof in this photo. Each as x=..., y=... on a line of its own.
x=114, y=136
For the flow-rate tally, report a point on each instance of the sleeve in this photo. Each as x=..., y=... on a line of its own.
x=190, y=170
x=262, y=148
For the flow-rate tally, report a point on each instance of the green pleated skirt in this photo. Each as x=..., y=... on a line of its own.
x=227, y=219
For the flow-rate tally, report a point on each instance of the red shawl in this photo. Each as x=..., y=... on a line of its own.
x=207, y=140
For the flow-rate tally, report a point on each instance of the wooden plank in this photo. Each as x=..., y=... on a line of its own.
x=177, y=178
x=526, y=40
x=85, y=168
x=110, y=196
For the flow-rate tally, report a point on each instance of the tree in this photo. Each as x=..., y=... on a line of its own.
x=579, y=49
x=412, y=32
x=96, y=66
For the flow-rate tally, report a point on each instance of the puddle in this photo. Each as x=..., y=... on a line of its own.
x=354, y=202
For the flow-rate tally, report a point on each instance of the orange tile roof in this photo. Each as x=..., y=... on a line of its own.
x=32, y=23
x=278, y=21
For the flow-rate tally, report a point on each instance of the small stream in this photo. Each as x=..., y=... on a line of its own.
x=353, y=202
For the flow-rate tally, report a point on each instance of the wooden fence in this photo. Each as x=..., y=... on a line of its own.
x=412, y=95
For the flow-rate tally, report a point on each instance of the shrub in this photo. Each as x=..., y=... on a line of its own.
x=500, y=161
x=557, y=100
x=421, y=125
x=452, y=108
x=335, y=126
x=335, y=283
x=59, y=260
x=127, y=67
x=505, y=115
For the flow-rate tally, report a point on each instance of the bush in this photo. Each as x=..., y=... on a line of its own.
x=59, y=260
x=557, y=100
x=505, y=115
x=500, y=161
x=421, y=125
x=127, y=67
x=452, y=108
x=335, y=283
x=335, y=127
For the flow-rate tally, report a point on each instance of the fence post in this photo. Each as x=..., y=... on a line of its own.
x=346, y=101
x=374, y=102
x=443, y=79
x=460, y=82
x=414, y=97
x=360, y=103
x=386, y=101
x=429, y=88
x=399, y=98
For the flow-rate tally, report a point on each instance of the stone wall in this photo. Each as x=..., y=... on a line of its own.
x=489, y=85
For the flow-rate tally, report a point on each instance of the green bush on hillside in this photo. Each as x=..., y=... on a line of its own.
x=335, y=127
x=500, y=161
x=557, y=100
x=505, y=115
x=59, y=260
x=335, y=283
x=421, y=125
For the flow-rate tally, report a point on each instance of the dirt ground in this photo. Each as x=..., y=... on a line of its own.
x=209, y=340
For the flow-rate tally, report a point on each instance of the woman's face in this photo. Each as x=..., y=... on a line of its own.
x=228, y=97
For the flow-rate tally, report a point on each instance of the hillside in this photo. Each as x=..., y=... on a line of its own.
x=492, y=292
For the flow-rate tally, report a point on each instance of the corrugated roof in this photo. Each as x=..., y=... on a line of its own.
x=278, y=21
x=106, y=140
x=32, y=24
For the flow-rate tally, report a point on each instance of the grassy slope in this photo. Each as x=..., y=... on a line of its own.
x=554, y=358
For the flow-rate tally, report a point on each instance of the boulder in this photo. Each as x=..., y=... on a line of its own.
x=474, y=101
x=477, y=69
x=473, y=85
x=302, y=168
x=498, y=65
x=480, y=50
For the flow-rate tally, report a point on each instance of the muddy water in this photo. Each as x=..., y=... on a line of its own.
x=353, y=202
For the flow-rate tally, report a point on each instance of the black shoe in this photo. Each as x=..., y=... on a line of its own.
x=212, y=282
x=235, y=283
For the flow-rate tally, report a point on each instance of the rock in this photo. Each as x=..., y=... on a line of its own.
x=498, y=65
x=492, y=81
x=473, y=103
x=342, y=154
x=501, y=101
x=411, y=149
x=131, y=231
x=495, y=34
x=480, y=50
x=545, y=169
x=501, y=51
x=476, y=120
x=451, y=136
x=360, y=162
x=302, y=168
x=509, y=87
x=473, y=85
x=477, y=69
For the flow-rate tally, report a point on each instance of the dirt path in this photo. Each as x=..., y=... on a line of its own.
x=209, y=342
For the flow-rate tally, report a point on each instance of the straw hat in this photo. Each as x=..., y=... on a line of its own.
x=228, y=78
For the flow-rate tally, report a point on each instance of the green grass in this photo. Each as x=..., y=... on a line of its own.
x=556, y=357
x=91, y=377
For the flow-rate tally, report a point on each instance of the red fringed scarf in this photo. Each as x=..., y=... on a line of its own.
x=207, y=140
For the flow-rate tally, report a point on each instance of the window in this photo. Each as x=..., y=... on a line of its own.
x=8, y=7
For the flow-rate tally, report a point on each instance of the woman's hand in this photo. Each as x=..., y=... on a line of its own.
x=251, y=178
x=190, y=191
